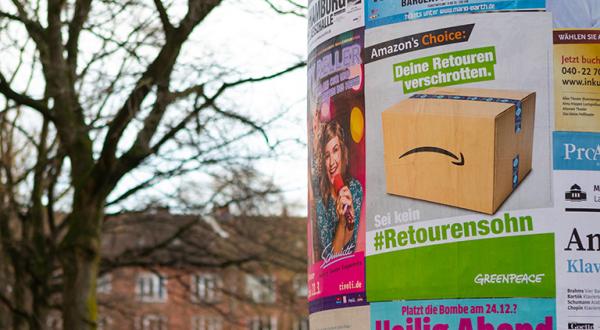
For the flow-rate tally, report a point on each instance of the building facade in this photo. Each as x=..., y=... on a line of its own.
x=162, y=271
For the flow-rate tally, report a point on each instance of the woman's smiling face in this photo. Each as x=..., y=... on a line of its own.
x=333, y=158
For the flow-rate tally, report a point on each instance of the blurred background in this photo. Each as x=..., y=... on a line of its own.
x=153, y=164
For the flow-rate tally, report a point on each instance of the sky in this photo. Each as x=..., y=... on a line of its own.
x=259, y=41
x=249, y=36
x=285, y=38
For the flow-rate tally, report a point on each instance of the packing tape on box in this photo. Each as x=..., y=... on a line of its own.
x=515, y=176
x=517, y=103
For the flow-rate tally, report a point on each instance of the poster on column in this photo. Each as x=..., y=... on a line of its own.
x=576, y=163
x=379, y=12
x=577, y=64
x=578, y=267
x=465, y=314
x=577, y=200
x=351, y=318
x=336, y=225
x=459, y=127
x=329, y=18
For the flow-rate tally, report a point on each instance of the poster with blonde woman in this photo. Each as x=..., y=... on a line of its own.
x=336, y=173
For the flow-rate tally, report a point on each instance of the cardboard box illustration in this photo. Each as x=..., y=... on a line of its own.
x=463, y=147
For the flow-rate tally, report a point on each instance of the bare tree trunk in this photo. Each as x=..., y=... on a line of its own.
x=79, y=307
x=20, y=321
x=80, y=260
x=40, y=315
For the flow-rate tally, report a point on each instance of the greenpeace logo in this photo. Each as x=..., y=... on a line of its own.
x=486, y=279
x=573, y=152
x=585, y=326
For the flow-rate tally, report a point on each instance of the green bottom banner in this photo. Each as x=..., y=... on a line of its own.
x=515, y=266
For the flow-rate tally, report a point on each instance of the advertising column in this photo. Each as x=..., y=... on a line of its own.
x=577, y=161
x=454, y=164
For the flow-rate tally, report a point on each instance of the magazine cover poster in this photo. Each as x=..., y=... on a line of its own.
x=336, y=143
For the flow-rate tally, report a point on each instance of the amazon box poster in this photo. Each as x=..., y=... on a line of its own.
x=459, y=157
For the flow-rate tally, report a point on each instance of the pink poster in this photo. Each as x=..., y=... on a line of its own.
x=336, y=144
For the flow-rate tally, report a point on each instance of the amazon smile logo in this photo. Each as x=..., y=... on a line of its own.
x=458, y=161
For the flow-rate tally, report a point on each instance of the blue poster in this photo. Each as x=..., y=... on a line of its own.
x=465, y=314
x=382, y=12
x=576, y=151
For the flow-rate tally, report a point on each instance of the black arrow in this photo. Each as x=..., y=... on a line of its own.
x=458, y=162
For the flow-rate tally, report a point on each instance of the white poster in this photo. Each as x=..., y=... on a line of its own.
x=330, y=18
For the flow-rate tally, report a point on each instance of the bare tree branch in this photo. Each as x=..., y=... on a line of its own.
x=161, y=67
x=164, y=17
x=286, y=12
x=80, y=14
x=132, y=100
x=33, y=27
x=226, y=86
x=11, y=16
x=22, y=99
